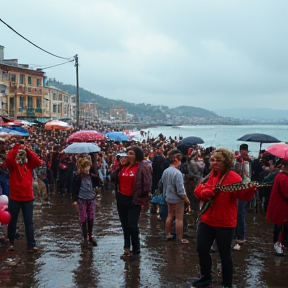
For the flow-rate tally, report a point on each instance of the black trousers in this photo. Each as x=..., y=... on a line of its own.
x=205, y=237
x=129, y=217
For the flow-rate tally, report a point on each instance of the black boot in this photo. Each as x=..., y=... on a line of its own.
x=202, y=282
x=90, y=232
x=84, y=230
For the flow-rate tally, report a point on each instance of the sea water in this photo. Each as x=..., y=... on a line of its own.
x=223, y=135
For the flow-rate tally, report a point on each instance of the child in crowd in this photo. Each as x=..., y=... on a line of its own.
x=84, y=197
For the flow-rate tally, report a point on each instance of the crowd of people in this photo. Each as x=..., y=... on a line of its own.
x=186, y=179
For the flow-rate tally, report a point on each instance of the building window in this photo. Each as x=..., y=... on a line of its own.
x=4, y=75
x=38, y=103
x=30, y=102
x=21, y=79
x=38, y=82
x=29, y=80
x=21, y=102
x=55, y=96
x=54, y=108
x=13, y=78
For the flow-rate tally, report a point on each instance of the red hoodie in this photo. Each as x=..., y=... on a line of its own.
x=223, y=210
x=21, y=176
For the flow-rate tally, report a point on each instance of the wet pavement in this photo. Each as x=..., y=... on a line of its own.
x=64, y=262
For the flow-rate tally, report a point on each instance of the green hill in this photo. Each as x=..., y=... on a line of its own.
x=140, y=110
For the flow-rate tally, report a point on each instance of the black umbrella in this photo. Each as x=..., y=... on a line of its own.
x=258, y=137
x=188, y=142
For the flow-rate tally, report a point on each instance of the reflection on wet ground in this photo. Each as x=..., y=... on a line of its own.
x=64, y=262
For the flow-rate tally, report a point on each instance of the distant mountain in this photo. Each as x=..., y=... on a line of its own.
x=260, y=113
x=157, y=112
x=194, y=111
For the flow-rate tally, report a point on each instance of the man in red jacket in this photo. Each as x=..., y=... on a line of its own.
x=21, y=161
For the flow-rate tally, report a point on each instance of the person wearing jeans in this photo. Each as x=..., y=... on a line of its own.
x=240, y=230
x=14, y=208
x=133, y=191
x=20, y=162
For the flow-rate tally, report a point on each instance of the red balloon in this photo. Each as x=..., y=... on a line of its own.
x=5, y=217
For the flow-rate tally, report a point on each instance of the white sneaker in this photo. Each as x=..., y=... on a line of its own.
x=237, y=247
x=278, y=248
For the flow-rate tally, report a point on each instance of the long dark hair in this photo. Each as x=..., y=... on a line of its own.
x=139, y=154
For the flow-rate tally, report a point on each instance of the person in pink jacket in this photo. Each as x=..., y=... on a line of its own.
x=20, y=162
x=277, y=211
x=220, y=217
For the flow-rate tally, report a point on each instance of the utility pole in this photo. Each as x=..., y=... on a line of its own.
x=77, y=90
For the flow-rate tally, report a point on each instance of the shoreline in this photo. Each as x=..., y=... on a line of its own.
x=140, y=126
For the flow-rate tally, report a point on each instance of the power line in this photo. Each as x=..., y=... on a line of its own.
x=57, y=64
x=32, y=42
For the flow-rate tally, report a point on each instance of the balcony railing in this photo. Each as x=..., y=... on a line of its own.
x=30, y=112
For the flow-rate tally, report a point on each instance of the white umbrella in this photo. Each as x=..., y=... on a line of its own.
x=81, y=147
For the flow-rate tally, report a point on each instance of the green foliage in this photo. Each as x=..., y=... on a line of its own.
x=104, y=104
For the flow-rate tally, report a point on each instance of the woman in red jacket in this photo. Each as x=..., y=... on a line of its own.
x=220, y=218
x=277, y=210
x=20, y=162
x=133, y=191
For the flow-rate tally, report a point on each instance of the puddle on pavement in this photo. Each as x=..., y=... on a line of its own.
x=64, y=262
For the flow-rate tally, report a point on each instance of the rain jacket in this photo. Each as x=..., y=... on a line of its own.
x=277, y=210
x=21, y=176
x=223, y=210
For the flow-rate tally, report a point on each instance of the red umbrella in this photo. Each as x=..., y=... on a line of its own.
x=85, y=136
x=279, y=150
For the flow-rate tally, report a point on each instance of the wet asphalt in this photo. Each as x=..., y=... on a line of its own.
x=63, y=260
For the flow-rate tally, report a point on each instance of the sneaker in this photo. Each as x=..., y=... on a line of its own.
x=278, y=248
x=11, y=248
x=237, y=247
x=33, y=249
x=201, y=282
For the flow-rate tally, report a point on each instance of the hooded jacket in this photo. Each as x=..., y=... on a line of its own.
x=21, y=176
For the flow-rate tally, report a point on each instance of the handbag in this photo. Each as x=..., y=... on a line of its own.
x=158, y=197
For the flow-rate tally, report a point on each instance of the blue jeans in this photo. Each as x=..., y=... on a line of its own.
x=240, y=230
x=27, y=212
x=4, y=182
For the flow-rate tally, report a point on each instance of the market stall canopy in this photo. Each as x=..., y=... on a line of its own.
x=15, y=130
x=57, y=125
x=85, y=136
x=81, y=147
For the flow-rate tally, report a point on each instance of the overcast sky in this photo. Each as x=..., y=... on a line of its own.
x=209, y=54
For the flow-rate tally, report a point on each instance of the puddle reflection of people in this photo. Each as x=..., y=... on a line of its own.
x=86, y=274
x=132, y=274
